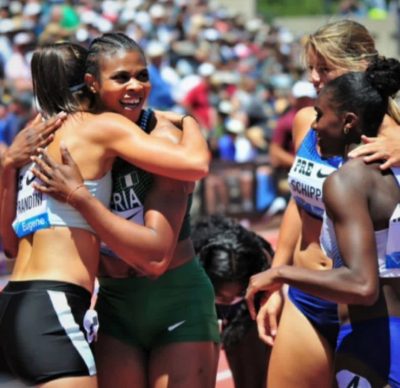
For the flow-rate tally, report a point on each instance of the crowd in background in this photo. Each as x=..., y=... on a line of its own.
x=234, y=74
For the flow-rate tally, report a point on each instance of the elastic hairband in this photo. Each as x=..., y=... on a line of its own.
x=75, y=88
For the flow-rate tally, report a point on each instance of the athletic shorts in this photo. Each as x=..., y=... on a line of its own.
x=42, y=331
x=373, y=344
x=322, y=314
x=148, y=313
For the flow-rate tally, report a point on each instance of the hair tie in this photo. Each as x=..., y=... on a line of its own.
x=75, y=88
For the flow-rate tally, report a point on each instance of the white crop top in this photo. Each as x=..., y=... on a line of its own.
x=37, y=211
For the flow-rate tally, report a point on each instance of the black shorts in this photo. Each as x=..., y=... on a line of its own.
x=42, y=331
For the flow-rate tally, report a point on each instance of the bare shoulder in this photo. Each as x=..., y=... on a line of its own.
x=112, y=119
x=113, y=126
x=166, y=129
x=352, y=180
x=302, y=124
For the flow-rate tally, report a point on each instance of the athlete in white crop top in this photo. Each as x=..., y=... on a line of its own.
x=362, y=208
x=36, y=210
x=55, y=267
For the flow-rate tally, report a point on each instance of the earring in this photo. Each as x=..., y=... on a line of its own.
x=346, y=129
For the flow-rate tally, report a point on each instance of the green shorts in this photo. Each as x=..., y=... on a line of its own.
x=176, y=307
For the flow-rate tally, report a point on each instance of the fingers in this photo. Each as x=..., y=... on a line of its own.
x=38, y=174
x=263, y=330
x=250, y=302
x=65, y=155
x=37, y=120
x=363, y=150
x=44, y=142
x=44, y=172
x=45, y=158
x=41, y=188
x=389, y=163
x=273, y=324
x=50, y=125
x=367, y=140
x=54, y=122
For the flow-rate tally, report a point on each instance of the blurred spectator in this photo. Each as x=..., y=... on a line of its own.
x=235, y=147
x=208, y=56
x=216, y=189
x=377, y=9
x=69, y=16
x=32, y=14
x=160, y=24
x=18, y=68
x=160, y=75
x=249, y=99
x=351, y=8
x=197, y=101
x=4, y=138
x=13, y=117
x=281, y=150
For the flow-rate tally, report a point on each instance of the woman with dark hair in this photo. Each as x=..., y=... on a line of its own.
x=149, y=230
x=359, y=232
x=308, y=327
x=230, y=254
x=56, y=250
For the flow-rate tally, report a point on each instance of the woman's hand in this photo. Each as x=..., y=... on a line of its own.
x=37, y=134
x=172, y=117
x=175, y=118
x=384, y=147
x=268, y=317
x=61, y=181
x=263, y=281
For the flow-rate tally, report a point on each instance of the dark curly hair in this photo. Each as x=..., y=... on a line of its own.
x=366, y=93
x=229, y=252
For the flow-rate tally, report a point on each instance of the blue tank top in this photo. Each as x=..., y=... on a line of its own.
x=387, y=242
x=308, y=174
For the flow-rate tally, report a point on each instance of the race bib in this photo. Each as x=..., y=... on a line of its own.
x=31, y=211
x=393, y=245
x=348, y=379
x=91, y=325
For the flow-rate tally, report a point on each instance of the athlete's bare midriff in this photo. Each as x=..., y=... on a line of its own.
x=308, y=252
x=72, y=256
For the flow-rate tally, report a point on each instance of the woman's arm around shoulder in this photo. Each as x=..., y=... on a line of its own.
x=187, y=160
x=385, y=147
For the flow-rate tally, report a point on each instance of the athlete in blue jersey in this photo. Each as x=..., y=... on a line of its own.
x=304, y=341
x=359, y=232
